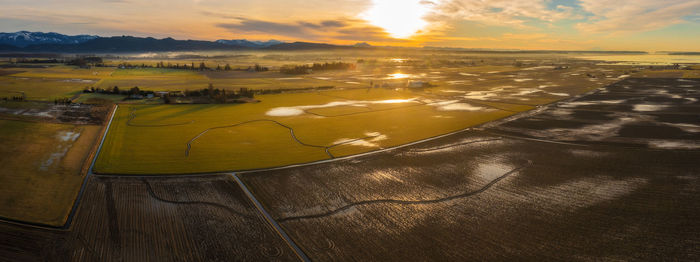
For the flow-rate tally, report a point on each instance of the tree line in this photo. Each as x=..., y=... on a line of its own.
x=308, y=69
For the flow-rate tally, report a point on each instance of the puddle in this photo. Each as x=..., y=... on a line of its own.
x=527, y=92
x=399, y=76
x=649, y=107
x=522, y=79
x=468, y=74
x=538, y=68
x=370, y=142
x=298, y=110
x=54, y=157
x=75, y=80
x=671, y=144
x=481, y=95
x=491, y=171
x=460, y=107
x=290, y=78
x=68, y=136
x=690, y=128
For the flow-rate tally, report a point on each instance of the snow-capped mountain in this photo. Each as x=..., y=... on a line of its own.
x=24, y=38
x=251, y=44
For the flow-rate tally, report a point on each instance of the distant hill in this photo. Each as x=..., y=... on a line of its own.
x=305, y=46
x=24, y=38
x=684, y=53
x=249, y=44
x=119, y=44
x=36, y=42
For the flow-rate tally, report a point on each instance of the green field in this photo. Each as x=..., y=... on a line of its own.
x=43, y=89
x=46, y=163
x=165, y=131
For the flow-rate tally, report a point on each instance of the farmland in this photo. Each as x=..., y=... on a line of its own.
x=488, y=157
x=47, y=162
x=368, y=109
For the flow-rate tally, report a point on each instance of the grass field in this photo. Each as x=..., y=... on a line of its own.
x=393, y=118
x=46, y=162
x=45, y=89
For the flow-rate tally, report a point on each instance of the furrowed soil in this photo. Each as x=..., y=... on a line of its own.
x=163, y=219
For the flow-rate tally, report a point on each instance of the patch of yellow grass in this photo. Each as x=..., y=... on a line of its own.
x=44, y=167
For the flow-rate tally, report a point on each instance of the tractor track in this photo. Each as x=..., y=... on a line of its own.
x=408, y=202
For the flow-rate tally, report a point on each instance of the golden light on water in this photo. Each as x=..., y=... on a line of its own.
x=399, y=76
x=399, y=18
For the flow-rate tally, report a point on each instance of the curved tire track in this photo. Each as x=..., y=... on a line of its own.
x=291, y=131
x=231, y=210
x=453, y=145
x=408, y=202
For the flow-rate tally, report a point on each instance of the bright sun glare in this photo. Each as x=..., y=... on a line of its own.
x=399, y=18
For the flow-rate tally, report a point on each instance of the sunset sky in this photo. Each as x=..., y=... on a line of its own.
x=647, y=25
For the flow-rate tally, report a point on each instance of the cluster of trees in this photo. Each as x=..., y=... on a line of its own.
x=220, y=95
x=14, y=98
x=202, y=66
x=86, y=61
x=134, y=91
x=62, y=101
x=307, y=69
x=37, y=61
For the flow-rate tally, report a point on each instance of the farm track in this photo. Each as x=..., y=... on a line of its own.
x=278, y=229
x=408, y=202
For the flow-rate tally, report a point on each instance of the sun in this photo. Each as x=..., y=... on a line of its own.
x=399, y=18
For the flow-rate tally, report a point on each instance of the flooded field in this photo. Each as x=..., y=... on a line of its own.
x=608, y=190
x=637, y=112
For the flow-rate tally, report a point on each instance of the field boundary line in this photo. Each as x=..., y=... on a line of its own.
x=302, y=256
x=74, y=210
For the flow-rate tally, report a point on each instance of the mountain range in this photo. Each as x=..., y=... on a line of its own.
x=25, y=41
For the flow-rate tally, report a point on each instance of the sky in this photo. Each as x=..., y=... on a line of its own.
x=644, y=25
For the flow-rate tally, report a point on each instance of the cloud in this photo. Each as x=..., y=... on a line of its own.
x=501, y=12
x=246, y=25
x=325, y=30
x=613, y=16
